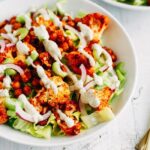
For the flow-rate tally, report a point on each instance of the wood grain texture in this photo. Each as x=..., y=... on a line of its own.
x=133, y=122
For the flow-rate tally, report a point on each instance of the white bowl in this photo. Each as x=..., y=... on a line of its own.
x=115, y=37
x=126, y=6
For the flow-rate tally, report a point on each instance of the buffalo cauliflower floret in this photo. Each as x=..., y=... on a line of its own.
x=97, y=22
x=45, y=96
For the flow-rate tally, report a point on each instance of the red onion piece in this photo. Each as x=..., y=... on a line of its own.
x=10, y=45
x=90, y=84
x=2, y=46
x=83, y=72
x=15, y=67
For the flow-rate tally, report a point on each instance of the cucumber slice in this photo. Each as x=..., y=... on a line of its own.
x=22, y=32
x=57, y=70
x=34, y=55
x=10, y=72
x=97, y=117
x=8, y=61
x=11, y=103
x=71, y=35
x=20, y=19
x=106, y=114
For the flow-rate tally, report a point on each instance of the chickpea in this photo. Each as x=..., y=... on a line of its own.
x=18, y=92
x=16, y=85
x=27, y=90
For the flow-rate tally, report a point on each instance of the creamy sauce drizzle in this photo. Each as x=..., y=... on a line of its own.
x=86, y=31
x=22, y=48
x=41, y=32
x=28, y=21
x=46, y=81
x=100, y=51
x=8, y=28
x=98, y=80
x=43, y=12
x=113, y=79
x=83, y=42
x=7, y=82
x=4, y=93
x=69, y=122
x=10, y=37
x=53, y=49
x=89, y=97
x=30, y=109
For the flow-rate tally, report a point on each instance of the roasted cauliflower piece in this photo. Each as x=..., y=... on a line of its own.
x=104, y=96
x=3, y=114
x=68, y=108
x=45, y=96
x=97, y=22
x=75, y=59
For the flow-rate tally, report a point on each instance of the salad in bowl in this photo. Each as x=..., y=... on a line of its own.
x=57, y=78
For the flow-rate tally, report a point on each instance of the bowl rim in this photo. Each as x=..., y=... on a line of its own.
x=127, y=6
x=86, y=137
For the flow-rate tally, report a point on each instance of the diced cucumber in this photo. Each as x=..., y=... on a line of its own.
x=71, y=35
x=8, y=61
x=106, y=114
x=93, y=119
x=34, y=55
x=11, y=113
x=57, y=70
x=29, y=61
x=11, y=103
x=20, y=19
x=77, y=115
x=96, y=54
x=10, y=72
x=22, y=32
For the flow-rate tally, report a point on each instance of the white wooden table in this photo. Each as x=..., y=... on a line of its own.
x=130, y=126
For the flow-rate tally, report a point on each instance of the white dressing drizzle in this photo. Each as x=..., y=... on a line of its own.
x=10, y=37
x=113, y=79
x=86, y=31
x=8, y=28
x=15, y=67
x=22, y=48
x=43, y=12
x=28, y=21
x=41, y=32
x=55, y=19
x=87, y=55
x=53, y=49
x=102, y=50
x=98, y=80
x=83, y=44
x=69, y=121
x=82, y=40
x=46, y=81
x=7, y=82
x=30, y=109
x=89, y=97
x=4, y=93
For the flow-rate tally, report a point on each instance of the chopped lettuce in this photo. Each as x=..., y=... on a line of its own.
x=56, y=131
x=37, y=131
x=122, y=78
